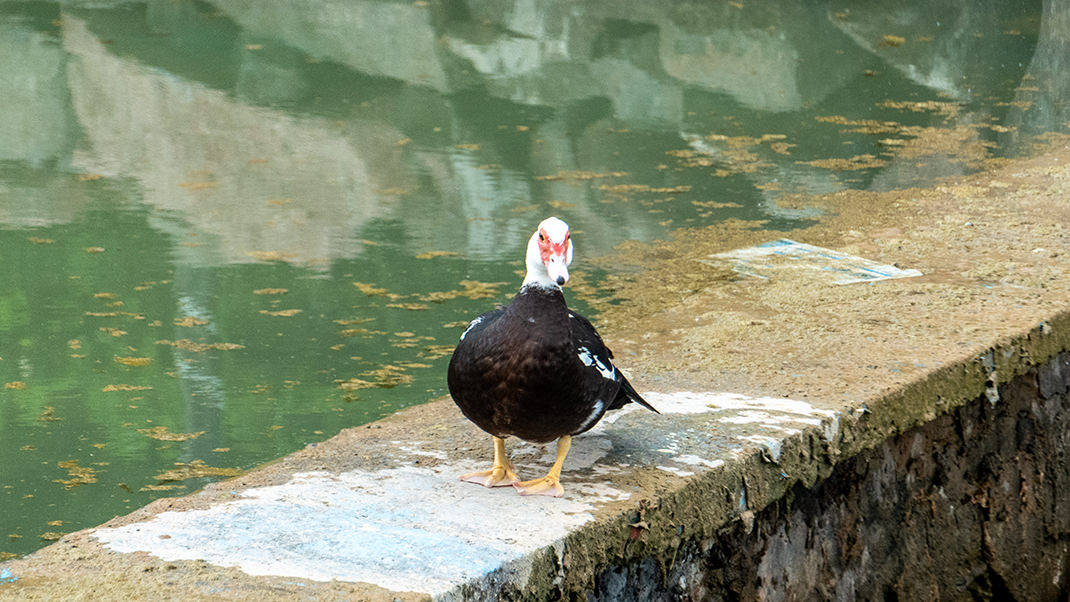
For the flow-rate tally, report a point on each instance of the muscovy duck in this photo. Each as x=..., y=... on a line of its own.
x=534, y=369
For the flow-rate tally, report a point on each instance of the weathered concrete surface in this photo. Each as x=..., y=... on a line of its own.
x=969, y=506
x=841, y=389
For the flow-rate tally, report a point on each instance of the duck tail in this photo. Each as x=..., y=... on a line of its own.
x=633, y=395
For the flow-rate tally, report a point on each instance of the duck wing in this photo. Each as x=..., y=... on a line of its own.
x=601, y=375
x=482, y=321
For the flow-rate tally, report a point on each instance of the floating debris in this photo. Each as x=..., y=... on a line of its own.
x=162, y=433
x=386, y=377
x=271, y=291
x=114, y=314
x=169, y=487
x=352, y=332
x=189, y=322
x=470, y=289
x=15, y=385
x=47, y=415
x=893, y=41
x=389, y=376
x=282, y=313
x=409, y=306
x=410, y=341
x=716, y=204
x=114, y=388
x=434, y=352
x=188, y=345
x=195, y=470
x=371, y=290
x=629, y=188
x=861, y=126
x=434, y=254
x=355, y=384
x=853, y=163
x=354, y=321
x=781, y=148
x=133, y=362
x=80, y=475
x=582, y=175
x=944, y=108
x=270, y=255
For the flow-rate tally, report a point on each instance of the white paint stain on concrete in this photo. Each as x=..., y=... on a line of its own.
x=676, y=471
x=694, y=460
x=414, y=448
x=405, y=529
x=689, y=402
x=772, y=445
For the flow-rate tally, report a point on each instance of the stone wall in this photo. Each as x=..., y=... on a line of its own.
x=973, y=505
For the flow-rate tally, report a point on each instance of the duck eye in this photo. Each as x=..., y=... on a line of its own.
x=541, y=237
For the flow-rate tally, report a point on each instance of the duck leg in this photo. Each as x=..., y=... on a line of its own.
x=551, y=483
x=500, y=474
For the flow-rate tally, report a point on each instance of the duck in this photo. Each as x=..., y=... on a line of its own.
x=534, y=369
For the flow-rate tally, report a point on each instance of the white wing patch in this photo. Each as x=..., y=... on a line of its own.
x=471, y=326
x=608, y=371
x=596, y=413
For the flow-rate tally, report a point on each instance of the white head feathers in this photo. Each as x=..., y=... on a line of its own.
x=549, y=254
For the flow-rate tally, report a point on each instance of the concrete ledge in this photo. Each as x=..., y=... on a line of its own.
x=968, y=506
x=828, y=379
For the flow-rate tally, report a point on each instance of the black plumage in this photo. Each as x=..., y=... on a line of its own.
x=519, y=371
x=534, y=369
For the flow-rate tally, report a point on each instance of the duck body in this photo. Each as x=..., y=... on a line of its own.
x=535, y=370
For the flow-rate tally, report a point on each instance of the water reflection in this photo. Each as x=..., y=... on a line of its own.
x=276, y=215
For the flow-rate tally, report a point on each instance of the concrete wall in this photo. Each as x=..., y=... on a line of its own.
x=970, y=506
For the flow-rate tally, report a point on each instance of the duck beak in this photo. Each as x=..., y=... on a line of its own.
x=557, y=268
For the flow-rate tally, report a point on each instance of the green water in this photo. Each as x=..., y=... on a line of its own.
x=231, y=229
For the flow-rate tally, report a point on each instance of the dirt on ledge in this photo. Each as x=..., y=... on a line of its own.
x=992, y=247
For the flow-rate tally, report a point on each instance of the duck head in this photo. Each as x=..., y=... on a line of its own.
x=549, y=254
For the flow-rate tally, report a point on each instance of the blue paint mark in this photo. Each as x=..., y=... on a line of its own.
x=7, y=577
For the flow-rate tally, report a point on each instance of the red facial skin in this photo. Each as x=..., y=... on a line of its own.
x=548, y=247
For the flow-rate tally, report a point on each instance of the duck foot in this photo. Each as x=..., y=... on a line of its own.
x=547, y=485
x=500, y=475
x=551, y=483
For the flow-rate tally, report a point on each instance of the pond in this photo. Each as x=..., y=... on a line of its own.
x=231, y=229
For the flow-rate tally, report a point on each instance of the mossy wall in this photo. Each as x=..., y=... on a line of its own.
x=970, y=505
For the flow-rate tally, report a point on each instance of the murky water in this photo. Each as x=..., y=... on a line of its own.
x=230, y=229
